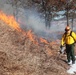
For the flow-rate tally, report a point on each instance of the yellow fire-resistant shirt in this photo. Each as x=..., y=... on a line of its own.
x=68, y=39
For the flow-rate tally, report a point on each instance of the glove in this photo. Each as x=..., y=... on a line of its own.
x=62, y=49
x=60, y=52
x=61, y=46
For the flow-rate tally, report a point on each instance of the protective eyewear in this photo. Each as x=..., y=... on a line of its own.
x=67, y=29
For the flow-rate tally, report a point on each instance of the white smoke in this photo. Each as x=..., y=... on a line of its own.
x=31, y=19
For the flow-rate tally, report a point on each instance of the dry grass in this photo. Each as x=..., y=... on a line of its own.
x=20, y=56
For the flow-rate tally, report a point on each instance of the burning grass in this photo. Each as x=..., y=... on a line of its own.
x=10, y=20
x=24, y=55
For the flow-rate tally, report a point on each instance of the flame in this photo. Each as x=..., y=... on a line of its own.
x=43, y=41
x=30, y=35
x=10, y=20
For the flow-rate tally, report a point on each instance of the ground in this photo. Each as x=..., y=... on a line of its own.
x=20, y=56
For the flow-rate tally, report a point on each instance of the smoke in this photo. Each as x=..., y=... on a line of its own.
x=31, y=19
x=27, y=18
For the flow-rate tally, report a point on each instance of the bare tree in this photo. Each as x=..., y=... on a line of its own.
x=47, y=7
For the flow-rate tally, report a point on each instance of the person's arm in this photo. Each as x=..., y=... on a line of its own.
x=63, y=40
x=62, y=44
x=74, y=35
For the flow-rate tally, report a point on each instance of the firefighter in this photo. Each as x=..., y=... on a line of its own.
x=68, y=39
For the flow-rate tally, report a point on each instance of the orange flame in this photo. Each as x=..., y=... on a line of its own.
x=10, y=20
x=30, y=35
x=43, y=41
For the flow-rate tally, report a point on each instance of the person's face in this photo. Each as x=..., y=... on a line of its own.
x=67, y=31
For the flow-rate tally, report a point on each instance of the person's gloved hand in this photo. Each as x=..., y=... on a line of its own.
x=61, y=46
x=62, y=49
x=60, y=52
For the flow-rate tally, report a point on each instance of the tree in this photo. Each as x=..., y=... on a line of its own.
x=47, y=7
